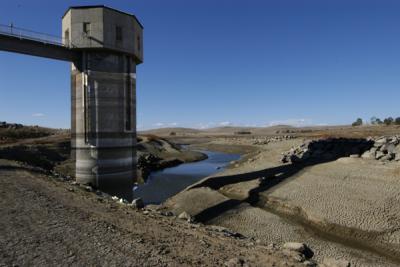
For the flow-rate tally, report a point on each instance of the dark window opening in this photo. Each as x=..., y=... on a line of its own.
x=128, y=107
x=66, y=37
x=128, y=98
x=86, y=28
x=138, y=43
x=118, y=35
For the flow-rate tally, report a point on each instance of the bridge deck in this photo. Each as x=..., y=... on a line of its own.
x=36, y=44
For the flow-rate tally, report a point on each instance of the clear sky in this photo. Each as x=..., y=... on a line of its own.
x=210, y=63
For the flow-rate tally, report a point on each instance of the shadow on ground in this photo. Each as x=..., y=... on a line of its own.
x=271, y=177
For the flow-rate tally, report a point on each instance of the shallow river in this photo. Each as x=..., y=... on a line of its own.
x=168, y=182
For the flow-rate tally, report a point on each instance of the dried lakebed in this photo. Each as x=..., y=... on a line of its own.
x=345, y=208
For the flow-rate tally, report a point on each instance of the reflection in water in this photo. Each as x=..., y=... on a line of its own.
x=168, y=182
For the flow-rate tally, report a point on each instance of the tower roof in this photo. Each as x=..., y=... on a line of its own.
x=103, y=6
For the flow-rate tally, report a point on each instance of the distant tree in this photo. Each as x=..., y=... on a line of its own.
x=388, y=121
x=358, y=122
x=397, y=121
x=379, y=121
x=374, y=120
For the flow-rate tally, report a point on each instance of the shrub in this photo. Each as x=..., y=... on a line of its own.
x=358, y=122
x=388, y=121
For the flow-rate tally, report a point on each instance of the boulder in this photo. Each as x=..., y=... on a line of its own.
x=381, y=141
x=379, y=155
x=235, y=262
x=137, y=203
x=388, y=148
x=122, y=201
x=300, y=248
x=368, y=155
x=185, y=216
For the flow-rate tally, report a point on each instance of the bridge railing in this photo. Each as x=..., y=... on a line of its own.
x=21, y=33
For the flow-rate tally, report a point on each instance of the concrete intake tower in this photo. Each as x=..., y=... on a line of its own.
x=104, y=46
x=103, y=94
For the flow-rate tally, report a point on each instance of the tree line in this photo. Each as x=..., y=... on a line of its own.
x=377, y=121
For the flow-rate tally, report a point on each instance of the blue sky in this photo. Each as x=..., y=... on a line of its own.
x=210, y=63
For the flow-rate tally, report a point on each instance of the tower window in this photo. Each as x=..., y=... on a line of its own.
x=128, y=98
x=118, y=35
x=138, y=43
x=66, y=37
x=86, y=28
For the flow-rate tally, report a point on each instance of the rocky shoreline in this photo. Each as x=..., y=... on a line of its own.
x=385, y=148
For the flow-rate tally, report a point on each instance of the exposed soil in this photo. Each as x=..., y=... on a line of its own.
x=342, y=207
x=48, y=222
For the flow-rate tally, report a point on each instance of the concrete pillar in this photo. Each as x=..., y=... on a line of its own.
x=103, y=121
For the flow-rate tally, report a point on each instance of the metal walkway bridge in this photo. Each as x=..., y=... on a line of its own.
x=18, y=40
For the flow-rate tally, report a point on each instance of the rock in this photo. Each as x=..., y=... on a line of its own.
x=391, y=148
x=295, y=159
x=387, y=148
x=299, y=247
x=88, y=188
x=235, y=262
x=373, y=149
x=115, y=198
x=122, y=201
x=153, y=207
x=230, y=233
x=379, y=155
x=354, y=156
x=368, y=155
x=185, y=216
x=380, y=141
x=216, y=228
x=167, y=213
x=137, y=203
x=329, y=262
x=387, y=157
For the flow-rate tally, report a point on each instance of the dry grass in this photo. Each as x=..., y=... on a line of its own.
x=357, y=132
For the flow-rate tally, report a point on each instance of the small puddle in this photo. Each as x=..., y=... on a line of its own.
x=166, y=183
